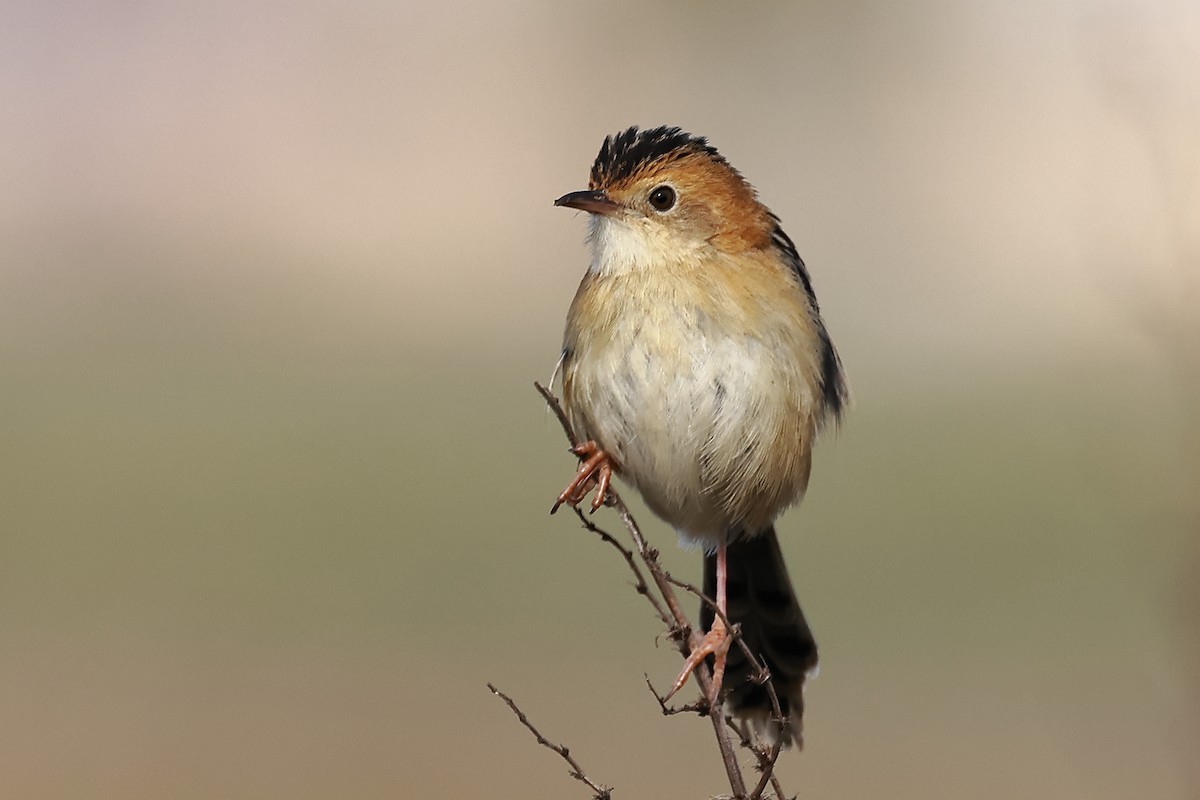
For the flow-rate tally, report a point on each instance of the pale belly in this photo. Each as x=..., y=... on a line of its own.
x=714, y=430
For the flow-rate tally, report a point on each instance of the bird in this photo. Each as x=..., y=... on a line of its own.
x=696, y=368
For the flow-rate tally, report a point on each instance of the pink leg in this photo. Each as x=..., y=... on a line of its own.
x=717, y=641
x=723, y=607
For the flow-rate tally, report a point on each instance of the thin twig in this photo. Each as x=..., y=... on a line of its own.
x=700, y=707
x=650, y=557
x=766, y=762
x=767, y=757
x=705, y=599
x=601, y=792
x=641, y=586
x=690, y=639
x=556, y=407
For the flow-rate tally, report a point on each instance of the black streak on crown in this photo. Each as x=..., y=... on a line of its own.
x=631, y=151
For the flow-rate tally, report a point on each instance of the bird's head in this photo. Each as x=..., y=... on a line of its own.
x=663, y=195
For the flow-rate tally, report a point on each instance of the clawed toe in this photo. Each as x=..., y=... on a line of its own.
x=595, y=471
x=716, y=644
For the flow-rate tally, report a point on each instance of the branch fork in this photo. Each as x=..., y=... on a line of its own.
x=659, y=591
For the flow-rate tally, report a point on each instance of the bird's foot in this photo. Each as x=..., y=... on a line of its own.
x=595, y=471
x=716, y=644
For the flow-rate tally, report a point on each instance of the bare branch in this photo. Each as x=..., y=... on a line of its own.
x=767, y=757
x=557, y=408
x=600, y=792
x=641, y=586
x=661, y=579
x=688, y=639
x=699, y=707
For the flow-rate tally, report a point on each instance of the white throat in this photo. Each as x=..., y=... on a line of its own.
x=624, y=244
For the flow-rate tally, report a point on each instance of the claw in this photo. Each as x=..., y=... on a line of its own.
x=716, y=644
x=602, y=487
x=596, y=470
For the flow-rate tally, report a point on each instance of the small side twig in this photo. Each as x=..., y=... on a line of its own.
x=556, y=407
x=767, y=757
x=600, y=792
x=641, y=587
x=700, y=707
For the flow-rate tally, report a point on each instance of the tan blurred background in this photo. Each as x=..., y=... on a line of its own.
x=276, y=279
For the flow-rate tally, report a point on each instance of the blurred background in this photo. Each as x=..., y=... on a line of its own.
x=275, y=281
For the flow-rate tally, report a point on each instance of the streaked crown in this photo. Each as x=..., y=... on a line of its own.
x=633, y=152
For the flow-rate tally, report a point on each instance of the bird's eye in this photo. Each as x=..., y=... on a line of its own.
x=662, y=198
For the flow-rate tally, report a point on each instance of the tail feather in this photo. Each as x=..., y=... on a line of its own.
x=762, y=601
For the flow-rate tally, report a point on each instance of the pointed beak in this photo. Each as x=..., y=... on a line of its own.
x=596, y=202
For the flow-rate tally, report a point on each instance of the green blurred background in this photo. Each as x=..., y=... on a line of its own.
x=276, y=279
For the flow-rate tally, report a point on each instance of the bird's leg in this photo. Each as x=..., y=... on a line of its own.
x=596, y=470
x=717, y=641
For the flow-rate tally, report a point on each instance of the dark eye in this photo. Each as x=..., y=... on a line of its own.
x=662, y=198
